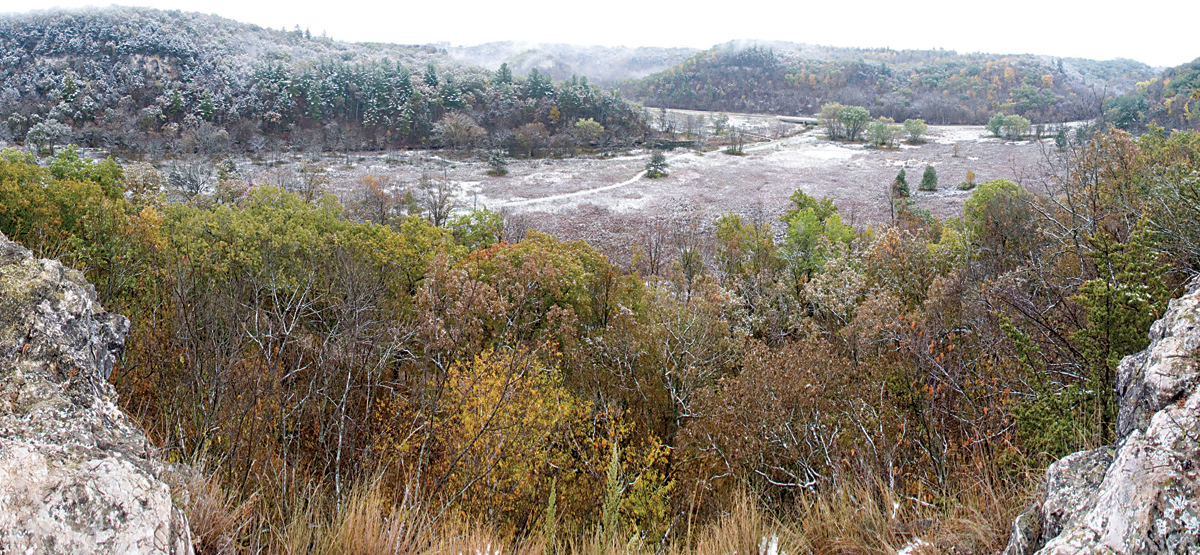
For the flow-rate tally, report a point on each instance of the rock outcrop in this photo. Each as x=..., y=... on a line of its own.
x=76, y=476
x=1141, y=495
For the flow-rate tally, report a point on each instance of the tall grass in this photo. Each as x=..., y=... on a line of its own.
x=862, y=517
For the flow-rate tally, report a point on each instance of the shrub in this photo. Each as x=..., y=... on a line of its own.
x=915, y=128
x=968, y=182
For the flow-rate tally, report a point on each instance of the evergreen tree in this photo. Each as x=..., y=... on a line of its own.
x=497, y=163
x=929, y=179
x=657, y=166
x=900, y=185
x=1122, y=303
x=430, y=76
x=504, y=75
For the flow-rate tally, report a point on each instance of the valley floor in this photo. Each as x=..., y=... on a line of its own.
x=608, y=201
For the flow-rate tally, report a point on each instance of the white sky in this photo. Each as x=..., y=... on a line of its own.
x=1158, y=32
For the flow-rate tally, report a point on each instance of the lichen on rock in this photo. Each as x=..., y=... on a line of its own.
x=1141, y=495
x=76, y=476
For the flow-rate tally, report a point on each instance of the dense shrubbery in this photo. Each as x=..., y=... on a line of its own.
x=302, y=349
x=153, y=82
x=939, y=86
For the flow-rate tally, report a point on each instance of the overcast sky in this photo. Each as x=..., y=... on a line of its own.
x=1160, y=33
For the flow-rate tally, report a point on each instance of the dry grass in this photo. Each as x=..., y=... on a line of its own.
x=369, y=523
x=216, y=518
x=862, y=517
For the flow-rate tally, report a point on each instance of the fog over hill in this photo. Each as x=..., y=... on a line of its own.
x=157, y=82
x=603, y=65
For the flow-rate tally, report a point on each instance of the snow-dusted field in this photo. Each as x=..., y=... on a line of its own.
x=609, y=202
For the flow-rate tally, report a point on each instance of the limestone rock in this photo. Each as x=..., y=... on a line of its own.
x=76, y=476
x=1142, y=495
x=1166, y=371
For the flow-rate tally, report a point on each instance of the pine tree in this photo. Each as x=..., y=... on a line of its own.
x=431, y=77
x=504, y=75
x=900, y=185
x=929, y=179
x=497, y=163
x=657, y=166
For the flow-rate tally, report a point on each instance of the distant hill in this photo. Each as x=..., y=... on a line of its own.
x=152, y=81
x=1170, y=100
x=602, y=65
x=937, y=85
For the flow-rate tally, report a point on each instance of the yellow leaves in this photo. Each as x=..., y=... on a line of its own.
x=500, y=416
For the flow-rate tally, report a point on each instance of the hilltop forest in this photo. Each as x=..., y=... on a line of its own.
x=942, y=87
x=153, y=83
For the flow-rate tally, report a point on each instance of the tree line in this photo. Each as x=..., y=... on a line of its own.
x=941, y=87
x=151, y=83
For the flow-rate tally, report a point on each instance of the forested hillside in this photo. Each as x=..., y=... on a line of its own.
x=1171, y=100
x=939, y=86
x=149, y=81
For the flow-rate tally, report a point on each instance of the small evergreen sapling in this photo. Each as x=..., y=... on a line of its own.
x=900, y=185
x=497, y=163
x=614, y=487
x=657, y=166
x=929, y=179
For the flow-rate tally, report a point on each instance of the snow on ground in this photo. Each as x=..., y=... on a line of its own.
x=608, y=201
x=950, y=134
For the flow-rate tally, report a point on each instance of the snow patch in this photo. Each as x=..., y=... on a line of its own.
x=915, y=547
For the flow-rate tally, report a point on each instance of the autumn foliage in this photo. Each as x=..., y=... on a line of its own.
x=356, y=387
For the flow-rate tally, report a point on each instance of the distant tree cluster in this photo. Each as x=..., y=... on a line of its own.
x=153, y=82
x=854, y=122
x=1012, y=127
x=938, y=86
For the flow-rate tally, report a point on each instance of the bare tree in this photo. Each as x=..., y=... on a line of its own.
x=458, y=131
x=313, y=180
x=191, y=177
x=378, y=199
x=436, y=197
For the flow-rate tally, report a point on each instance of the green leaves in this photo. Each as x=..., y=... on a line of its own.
x=854, y=119
x=811, y=225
